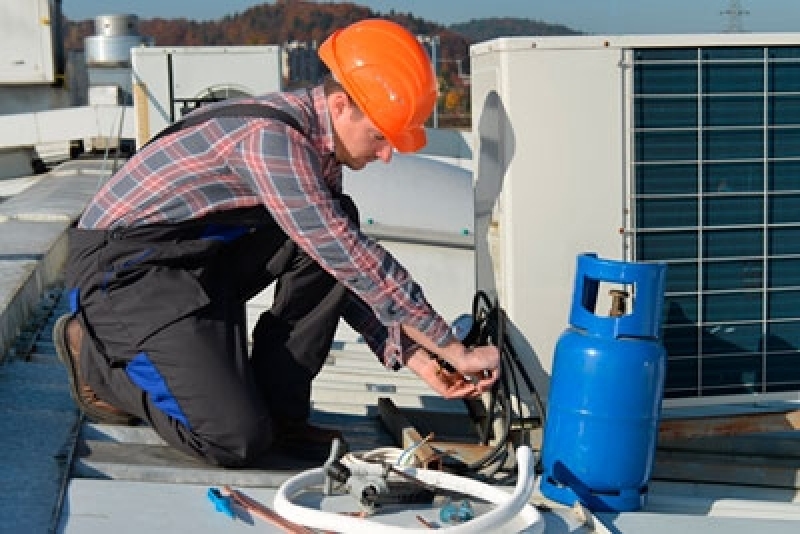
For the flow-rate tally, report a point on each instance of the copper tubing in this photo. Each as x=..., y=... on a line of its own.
x=425, y=522
x=259, y=510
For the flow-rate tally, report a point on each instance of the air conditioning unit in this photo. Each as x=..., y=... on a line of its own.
x=171, y=81
x=28, y=52
x=683, y=149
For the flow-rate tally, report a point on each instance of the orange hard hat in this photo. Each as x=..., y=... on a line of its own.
x=386, y=71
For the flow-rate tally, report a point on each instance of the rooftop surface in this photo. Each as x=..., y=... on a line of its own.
x=66, y=475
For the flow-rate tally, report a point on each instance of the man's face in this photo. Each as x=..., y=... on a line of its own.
x=357, y=140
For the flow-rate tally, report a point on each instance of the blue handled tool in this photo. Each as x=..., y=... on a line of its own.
x=450, y=513
x=221, y=502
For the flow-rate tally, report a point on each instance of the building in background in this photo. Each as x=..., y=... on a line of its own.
x=301, y=65
x=32, y=69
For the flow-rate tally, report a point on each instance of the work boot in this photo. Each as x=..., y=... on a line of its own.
x=68, y=336
x=303, y=441
x=300, y=432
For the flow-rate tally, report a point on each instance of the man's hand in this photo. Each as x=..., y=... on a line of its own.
x=454, y=371
x=477, y=361
x=451, y=383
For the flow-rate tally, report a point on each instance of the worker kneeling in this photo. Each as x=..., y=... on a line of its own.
x=240, y=195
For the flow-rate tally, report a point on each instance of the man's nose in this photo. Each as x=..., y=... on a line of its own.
x=385, y=152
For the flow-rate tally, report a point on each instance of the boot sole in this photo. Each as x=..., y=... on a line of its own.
x=64, y=355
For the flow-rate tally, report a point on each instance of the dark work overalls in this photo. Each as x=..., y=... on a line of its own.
x=163, y=311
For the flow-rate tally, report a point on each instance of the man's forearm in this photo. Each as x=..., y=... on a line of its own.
x=452, y=352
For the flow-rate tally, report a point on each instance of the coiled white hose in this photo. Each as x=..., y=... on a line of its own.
x=509, y=506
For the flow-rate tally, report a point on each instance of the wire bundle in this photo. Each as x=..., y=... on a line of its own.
x=490, y=326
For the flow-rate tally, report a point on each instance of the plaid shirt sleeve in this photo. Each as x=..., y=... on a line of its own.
x=291, y=185
x=387, y=342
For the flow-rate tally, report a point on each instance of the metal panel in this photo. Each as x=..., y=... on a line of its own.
x=26, y=129
x=164, y=77
x=27, y=52
x=730, y=331
x=549, y=147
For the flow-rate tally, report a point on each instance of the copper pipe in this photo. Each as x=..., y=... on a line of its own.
x=425, y=522
x=267, y=514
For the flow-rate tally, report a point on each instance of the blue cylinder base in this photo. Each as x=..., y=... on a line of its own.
x=623, y=500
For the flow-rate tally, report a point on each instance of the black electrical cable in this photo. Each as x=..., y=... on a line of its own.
x=497, y=455
x=498, y=394
x=490, y=326
x=507, y=362
x=486, y=430
x=507, y=345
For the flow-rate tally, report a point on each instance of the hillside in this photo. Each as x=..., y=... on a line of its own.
x=300, y=20
x=477, y=30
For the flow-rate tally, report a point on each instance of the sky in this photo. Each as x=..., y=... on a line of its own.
x=591, y=16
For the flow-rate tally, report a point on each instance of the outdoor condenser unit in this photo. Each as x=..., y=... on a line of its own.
x=683, y=149
x=28, y=53
x=171, y=81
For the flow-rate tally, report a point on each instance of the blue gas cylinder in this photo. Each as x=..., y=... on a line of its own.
x=606, y=387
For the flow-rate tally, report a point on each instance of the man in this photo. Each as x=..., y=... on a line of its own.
x=203, y=218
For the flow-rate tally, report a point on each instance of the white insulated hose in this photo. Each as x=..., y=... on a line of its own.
x=509, y=506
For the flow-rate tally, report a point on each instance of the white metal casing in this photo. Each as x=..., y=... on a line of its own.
x=105, y=95
x=197, y=72
x=552, y=121
x=538, y=201
x=27, y=52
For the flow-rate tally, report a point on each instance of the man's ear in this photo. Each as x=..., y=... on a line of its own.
x=339, y=103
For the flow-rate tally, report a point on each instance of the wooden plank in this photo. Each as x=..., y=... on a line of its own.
x=766, y=445
x=466, y=453
x=729, y=425
x=406, y=435
x=725, y=469
x=140, y=100
x=435, y=453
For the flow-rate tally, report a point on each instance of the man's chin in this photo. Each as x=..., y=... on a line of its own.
x=356, y=165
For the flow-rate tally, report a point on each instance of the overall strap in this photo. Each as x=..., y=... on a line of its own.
x=261, y=111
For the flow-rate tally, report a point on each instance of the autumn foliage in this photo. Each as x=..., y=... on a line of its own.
x=286, y=21
x=274, y=23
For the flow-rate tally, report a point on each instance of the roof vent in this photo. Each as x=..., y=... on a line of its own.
x=114, y=37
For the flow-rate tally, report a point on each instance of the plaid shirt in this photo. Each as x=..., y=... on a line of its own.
x=229, y=163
